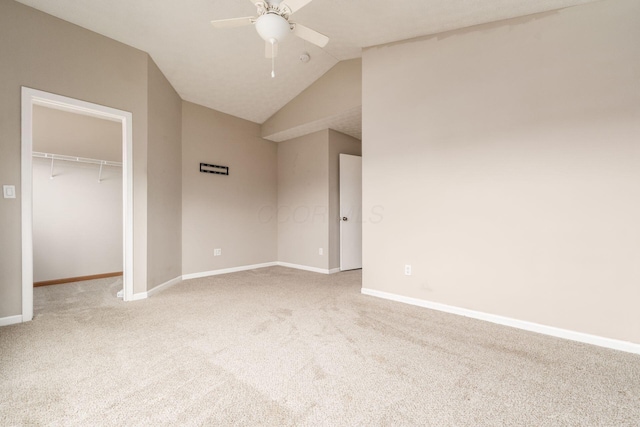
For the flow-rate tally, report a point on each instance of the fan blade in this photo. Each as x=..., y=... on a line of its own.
x=233, y=22
x=294, y=5
x=310, y=35
x=270, y=50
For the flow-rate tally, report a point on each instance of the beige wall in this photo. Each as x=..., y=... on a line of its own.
x=234, y=213
x=164, y=170
x=77, y=221
x=309, y=198
x=303, y=200
x=55, y=56
x=511, y=167
x=45, y=53
x=338, y=90
x=339, y=143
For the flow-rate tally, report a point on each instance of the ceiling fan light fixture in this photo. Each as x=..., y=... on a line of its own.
x=271, y=26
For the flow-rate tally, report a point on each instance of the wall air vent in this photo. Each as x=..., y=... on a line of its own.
x=218, y=170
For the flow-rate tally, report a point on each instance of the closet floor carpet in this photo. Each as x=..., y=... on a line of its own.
x=282, y=347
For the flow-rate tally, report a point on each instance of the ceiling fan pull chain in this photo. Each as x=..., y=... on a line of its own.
x=273, y=58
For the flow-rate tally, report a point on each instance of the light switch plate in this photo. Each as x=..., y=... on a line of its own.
x=9, y=191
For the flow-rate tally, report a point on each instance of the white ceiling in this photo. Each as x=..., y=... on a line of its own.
x=226, y=69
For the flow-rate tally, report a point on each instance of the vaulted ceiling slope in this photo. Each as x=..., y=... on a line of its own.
x=226, y=69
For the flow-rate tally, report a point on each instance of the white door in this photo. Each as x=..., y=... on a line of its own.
x=350, y=212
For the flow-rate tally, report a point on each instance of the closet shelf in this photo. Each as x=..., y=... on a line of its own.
x=75, y=159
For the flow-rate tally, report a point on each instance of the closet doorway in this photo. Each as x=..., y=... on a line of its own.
x=93, y=179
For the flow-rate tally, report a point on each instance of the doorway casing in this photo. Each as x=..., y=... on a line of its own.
x=31, y=97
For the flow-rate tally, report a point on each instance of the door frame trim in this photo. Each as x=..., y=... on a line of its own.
x=31, y=97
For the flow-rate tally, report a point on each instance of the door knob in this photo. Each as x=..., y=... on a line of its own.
x=344, y=218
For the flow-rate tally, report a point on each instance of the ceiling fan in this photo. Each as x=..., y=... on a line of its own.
x=273, y=25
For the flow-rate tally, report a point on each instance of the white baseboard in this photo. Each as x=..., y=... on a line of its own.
x=10, y=320
x=139, y=296
x=626, y=346
x=227, y=270
x=255, y=266
x=166, y=285
x=144, y=295
x=307, y=268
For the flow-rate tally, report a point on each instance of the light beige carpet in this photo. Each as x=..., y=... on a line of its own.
x=282, y=347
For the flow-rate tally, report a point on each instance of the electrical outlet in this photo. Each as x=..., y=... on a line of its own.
x=9, y=191
x=320, y=251
x=407, y=270
x=217, y=252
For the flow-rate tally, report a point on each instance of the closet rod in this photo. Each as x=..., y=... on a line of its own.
x=75, y=159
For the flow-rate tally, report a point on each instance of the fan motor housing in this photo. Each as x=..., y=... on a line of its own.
x=272, y=26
